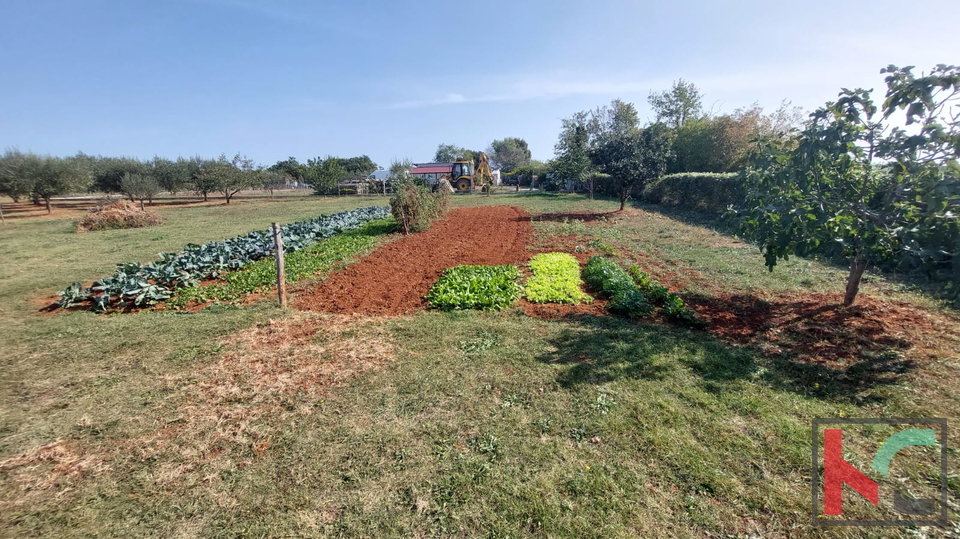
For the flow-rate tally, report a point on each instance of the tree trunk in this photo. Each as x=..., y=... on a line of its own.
x=623, y=199
x=228, y=197
x=857, y=266
x=204, y=197
x=141, y=205
x=47, y=201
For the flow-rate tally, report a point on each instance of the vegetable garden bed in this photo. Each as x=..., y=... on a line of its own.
x=146, y=284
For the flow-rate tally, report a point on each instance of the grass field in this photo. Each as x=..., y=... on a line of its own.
x=256, y=421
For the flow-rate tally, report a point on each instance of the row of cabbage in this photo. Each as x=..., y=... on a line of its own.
x=146, y=284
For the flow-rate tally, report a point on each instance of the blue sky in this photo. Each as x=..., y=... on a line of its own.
x=394, y=79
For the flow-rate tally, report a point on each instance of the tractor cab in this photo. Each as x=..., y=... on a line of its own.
x=462, y=175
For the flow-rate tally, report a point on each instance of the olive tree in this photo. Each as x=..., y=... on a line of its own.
x=857, y=180
x=140, y=187
x=14, y=182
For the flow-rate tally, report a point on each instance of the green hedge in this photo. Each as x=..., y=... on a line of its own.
x=698, y=191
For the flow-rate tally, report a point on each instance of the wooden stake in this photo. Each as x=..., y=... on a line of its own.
x=281, y=275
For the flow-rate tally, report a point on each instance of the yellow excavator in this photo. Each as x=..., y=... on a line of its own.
x=465, y=179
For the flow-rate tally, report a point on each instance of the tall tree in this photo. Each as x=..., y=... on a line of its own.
x=356, y=168
x=210, y=174
x=573, y=152
x=861, y=182
x=140, y=187
x=678, y=105
x=242, y=173
x=53, y=176
x=447, y=153
x=324, y=174
x=632, y=157
x=14, y=180
x=510, y=153
x=171, y=176
x=272, y=179
x=108, y=172
x=291, y=167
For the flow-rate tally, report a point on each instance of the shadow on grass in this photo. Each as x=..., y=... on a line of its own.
x=602, y=349
x=933, y=284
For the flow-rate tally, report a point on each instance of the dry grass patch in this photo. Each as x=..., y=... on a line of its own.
x=216, y=418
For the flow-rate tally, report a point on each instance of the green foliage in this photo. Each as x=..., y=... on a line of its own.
x=415, y=207
x=272, y=179
x=510, y=153
x=261, y=275
x=651, y=289
x=324, y=174
x=556, y=279
x=618, y=147
x=573, y=150
x=43, y=176
x=671, y=305
x=610, y=281
x=156, y=281
x=872, y=189
x=71, y=295
x=448, y=153
x=475, y=287
x=139, y=187
x=630, y=302
x=701, y=191
x=14, y=180
x=291, y=167
x=677, y=106
x=108, y=172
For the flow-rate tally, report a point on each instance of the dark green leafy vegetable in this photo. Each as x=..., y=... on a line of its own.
x=475, y=287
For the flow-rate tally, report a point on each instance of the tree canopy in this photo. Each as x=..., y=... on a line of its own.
x=447, y=153
x=678, y=105
x=857, y=180
x=510, y=153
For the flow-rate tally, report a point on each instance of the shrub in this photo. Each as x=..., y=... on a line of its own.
x=117, y=215
x=671, y=305
x=475, y=287
x=609, y=280
x=556, y=279
x=415, y=207
x=700, y=191
x=655, y=292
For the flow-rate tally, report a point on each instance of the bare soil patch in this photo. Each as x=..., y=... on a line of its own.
x=814, y=328
x=394, y=278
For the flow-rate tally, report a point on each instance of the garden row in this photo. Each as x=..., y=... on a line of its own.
x=556, y=278
x=146, y=284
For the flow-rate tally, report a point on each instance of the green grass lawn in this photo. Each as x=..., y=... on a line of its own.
x=256, y=421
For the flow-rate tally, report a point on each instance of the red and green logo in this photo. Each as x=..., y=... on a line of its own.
x=898, y=504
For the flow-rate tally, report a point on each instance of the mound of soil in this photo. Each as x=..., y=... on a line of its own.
x=116, y=215
x=394, y=278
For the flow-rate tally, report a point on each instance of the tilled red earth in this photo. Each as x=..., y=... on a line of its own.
x=394, y=278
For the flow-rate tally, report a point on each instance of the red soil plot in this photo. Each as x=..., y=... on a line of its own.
x=394, y=278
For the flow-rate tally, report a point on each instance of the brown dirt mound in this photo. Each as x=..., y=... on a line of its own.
x=118, y=215
x=393, y=279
